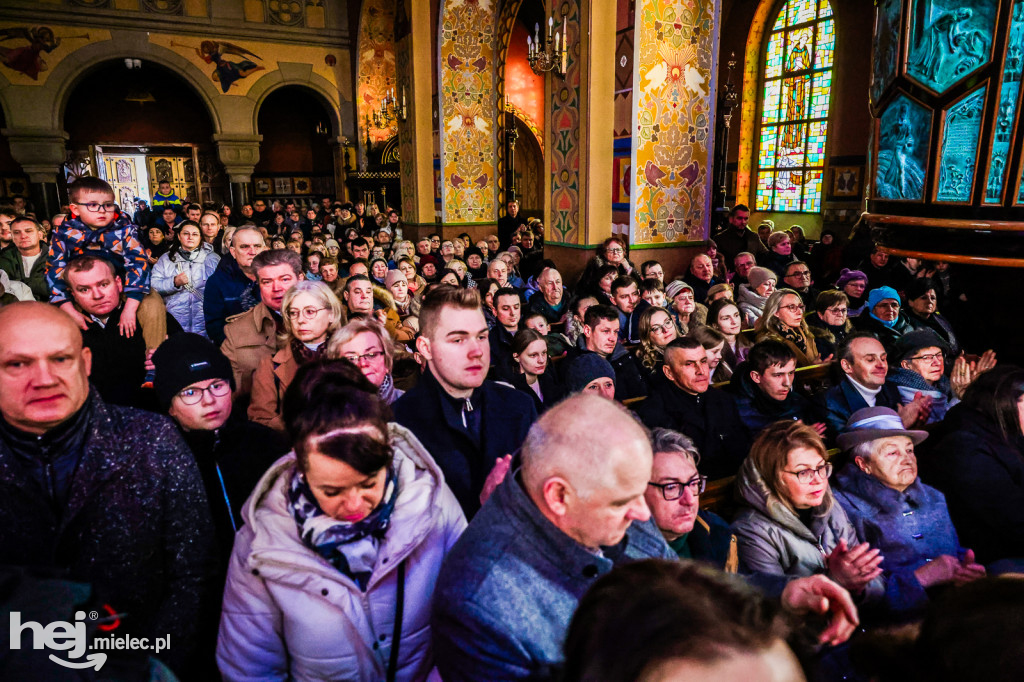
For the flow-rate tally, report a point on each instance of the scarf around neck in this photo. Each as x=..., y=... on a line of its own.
x=889, y=324
x=349, y=547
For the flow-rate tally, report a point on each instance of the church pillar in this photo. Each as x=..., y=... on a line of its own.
x=339, y=147
x=468, y=117
x=41, y=154
x=415, y=144
x=580, y=135
x=673, y=121
x=239, y=154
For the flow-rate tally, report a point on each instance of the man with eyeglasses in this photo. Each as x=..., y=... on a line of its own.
x=231, y=290
x=797, y=276
x=682, y=399
x=193, y=383
x=253, y=335
x=673, y=496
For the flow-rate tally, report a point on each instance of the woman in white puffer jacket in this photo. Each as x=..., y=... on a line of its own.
x=180, y=277
x=343, y=539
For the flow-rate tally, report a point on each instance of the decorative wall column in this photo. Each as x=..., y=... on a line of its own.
x=41, y=153
x=580, y=127
x=239, y=154
x=468, y=112
x=339, y=150
x=415, y=146
x=375, y=70
x=674, y=88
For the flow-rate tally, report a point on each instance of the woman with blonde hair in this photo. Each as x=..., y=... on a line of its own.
x=367, y=345
x=311, y=313
x=657, y=329
x=790, y=525
x=783, y=320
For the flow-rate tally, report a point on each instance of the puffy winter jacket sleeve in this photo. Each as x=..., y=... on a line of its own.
x=56, y=261
x=759, y=545
x=164, y=273
x=250, y=645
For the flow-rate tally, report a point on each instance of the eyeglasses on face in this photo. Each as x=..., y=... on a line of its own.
x=365, y=358
x=837, y=311
x=307, y=313
x=95, y=207
x=888, y=304
x=806, y=476
x=801, y=274
x=930, y=357
x=661, y=328
x=673, y=491
x=615, y=249
x=794, y=307
x=194, y=394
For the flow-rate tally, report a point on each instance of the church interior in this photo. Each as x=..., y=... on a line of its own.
x=646, y=119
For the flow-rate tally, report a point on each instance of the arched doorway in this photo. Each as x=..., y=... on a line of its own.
x=296, y=160
x=136, y=123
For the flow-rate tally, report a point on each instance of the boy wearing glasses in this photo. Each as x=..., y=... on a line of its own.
x=96, y=224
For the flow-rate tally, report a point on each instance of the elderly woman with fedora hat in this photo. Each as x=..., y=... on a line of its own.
x=906, y=520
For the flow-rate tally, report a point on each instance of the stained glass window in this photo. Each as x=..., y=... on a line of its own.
x=794, y=107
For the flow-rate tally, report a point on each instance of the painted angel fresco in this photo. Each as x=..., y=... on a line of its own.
x=227, y=71
x=28, y=59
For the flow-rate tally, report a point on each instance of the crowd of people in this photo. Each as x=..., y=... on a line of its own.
x=303, y=447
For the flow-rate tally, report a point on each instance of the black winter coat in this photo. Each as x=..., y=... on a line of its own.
x=982, y=476
x=710, y=419
x=136, y=523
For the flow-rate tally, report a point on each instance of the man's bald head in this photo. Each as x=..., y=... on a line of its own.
x=44, y=370
x=580, y=440
x=586, y=464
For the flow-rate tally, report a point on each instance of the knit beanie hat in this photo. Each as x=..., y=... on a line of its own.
x=759, y=276
x=674, y=288
x=585, y=368
x=394, y=276
x=332, y=242
x=846, y=275
x=430, y=258
x=473, y=251
x=880, y=294
x=184, y=359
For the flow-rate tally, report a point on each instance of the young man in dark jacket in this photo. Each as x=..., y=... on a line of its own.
x=104, y=495
x=763, y=386
x=601, y=336
x=468, y=424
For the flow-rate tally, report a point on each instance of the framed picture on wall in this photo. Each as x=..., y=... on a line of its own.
x=262, y=186
x=847, y=183
x=282, y=185
x=302, y=185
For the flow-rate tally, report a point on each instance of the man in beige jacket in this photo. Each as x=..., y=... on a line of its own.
x=252, y=335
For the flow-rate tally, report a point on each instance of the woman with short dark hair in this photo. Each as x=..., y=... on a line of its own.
x=830, y=321
x=922, y=296
x=332, y=574
x=532, y=369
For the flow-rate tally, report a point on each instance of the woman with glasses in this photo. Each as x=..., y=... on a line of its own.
x=657, y=330
x=921, y=355
x=613, y=253
x=366, y=344
x=180, y=276
x=311, y=313
x=673, y=496
x=830, y=321
x=789, y=525
x=193, y=382
x=883, y=317
x=530, y=355
x=332, y=574
x=854, y=284
x=783, y=320
x=894, y=511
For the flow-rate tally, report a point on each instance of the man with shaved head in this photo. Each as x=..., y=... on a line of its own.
x=573, y=509
x=104, y=495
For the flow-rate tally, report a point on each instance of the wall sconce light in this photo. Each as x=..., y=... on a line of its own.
x=132, y=63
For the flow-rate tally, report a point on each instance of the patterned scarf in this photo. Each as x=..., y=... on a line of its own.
x=303, y=353
x=789, y=334
x=349, y=547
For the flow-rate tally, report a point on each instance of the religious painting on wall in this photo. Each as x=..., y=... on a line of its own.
x=961, y=128
x=22, y=48
x=904, y=131
x=262, y=186
x=1009, y=88
x=795, y=108
x=846, y=182
x=886, y=47
x=231, y=62
x=949, y=39
x=302, y=185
